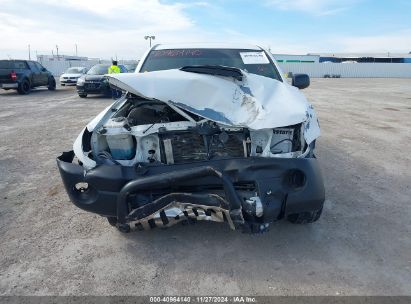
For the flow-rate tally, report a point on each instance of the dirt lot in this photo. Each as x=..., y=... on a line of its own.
x=360, y=246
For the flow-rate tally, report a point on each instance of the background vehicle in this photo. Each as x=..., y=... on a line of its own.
x=23, y=75
x=94, y=81
x=71, y=75
x=208, y=133
x=131, y=68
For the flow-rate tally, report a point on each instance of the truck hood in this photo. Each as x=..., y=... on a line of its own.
x=255, y=102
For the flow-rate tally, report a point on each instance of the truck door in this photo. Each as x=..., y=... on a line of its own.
x=36, y=74
x=44, y=75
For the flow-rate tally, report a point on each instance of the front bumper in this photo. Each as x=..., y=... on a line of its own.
x=93, y=88
x=68, y=81
x=284, y=186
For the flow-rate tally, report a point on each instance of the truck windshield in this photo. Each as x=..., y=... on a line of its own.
x=252, y=61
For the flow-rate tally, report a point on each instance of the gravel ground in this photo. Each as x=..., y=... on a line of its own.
x=360, y=246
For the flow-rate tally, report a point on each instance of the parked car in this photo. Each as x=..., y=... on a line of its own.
x=71, y=76
x=205, y=132
x=94, y=82
x=23, y=75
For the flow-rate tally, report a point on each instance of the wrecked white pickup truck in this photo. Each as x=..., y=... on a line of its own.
x=201, y=133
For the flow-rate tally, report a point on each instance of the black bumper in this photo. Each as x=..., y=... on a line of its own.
x=285, y=186
x=100, y=89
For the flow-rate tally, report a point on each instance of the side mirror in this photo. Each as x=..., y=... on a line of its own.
x=43, y=70
x=301, y=81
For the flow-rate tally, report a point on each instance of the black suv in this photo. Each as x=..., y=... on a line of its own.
x=23, y=75
x=94, y=82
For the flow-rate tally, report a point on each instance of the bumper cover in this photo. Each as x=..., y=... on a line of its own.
x=96, y=89
x=284, y=186
x=68, y=81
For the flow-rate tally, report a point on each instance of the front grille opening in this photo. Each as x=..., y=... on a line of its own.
x=184, y=147
x=136, y=200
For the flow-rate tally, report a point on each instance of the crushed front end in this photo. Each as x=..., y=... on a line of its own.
x=145, y=163
x=248, y=193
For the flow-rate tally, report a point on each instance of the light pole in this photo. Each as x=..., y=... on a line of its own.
x=29, y=52
x=57, y=48
x=150, y=38
x=76, y=49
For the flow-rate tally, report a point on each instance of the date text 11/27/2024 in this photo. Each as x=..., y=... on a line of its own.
x=202, y=299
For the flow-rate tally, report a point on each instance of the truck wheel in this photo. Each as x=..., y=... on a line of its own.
x=82, y=95
x=24, y=87
x=52, y=84
x=305, y=217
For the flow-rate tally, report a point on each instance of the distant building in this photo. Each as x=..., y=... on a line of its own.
x=346, y=57
x=44, y=58
x=59, y=64
x=297, y=58
x=365, y=57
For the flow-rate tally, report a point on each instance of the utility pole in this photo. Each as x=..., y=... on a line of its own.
x=29, y=52
x=57, y=48
x=150, y=38
x=76, y=48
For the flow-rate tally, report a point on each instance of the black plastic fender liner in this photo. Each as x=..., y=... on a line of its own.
x=167, y=179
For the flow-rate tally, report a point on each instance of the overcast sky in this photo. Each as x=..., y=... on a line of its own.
x=108, y=28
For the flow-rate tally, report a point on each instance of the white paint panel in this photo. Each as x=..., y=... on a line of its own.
x=256, y=102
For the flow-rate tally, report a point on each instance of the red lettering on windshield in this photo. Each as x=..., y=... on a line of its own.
x=177, y=53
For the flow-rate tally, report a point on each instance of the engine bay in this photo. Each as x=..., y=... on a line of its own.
x=149, y=131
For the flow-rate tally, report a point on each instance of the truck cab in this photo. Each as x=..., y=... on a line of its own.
x=23, y=75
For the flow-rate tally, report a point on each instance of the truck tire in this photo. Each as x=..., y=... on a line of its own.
x=24, y=87
x=305, y=217
x=52, y=84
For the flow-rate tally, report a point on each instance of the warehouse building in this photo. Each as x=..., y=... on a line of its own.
x=336, y=65
x=58, y=64
x=365, y=57
x=346, y=58
x=297, y=58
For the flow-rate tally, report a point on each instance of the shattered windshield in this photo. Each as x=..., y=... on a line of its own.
x=253, y=61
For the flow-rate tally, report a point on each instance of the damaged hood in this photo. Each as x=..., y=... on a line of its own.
x=255, y=102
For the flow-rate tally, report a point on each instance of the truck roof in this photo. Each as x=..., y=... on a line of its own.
x=13, y=64
x=13, y=60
